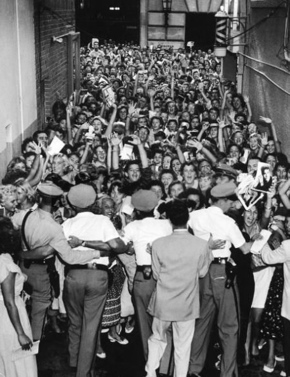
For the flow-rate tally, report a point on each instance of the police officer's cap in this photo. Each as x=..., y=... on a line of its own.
x=49, y=189
x=144, y=200
x=82, y=196
x=224, y=190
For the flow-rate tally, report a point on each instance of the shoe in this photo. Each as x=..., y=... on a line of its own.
x=283, y=373
x=261, y=345
x=101, y=355
x=269, y=369
x=121, y=340
x=279, y=358
x=128, y=328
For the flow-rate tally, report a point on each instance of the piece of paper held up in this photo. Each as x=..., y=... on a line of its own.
x=19, y=353
x=127, y=152
x=260, y=243
x=55, y=146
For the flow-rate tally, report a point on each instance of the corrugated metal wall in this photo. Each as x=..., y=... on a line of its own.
x=265, y=43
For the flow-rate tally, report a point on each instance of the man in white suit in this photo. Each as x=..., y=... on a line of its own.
x=178, y=261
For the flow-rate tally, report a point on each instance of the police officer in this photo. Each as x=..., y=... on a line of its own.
x=142, y=232
x=86, y=285
x=215, y=296
x=42, y=237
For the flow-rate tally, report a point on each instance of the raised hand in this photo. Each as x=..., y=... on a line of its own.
x=151, y=92
x=264, y=138
x=36, y=147
x=266, y=120
x=85, y=126
x=222, y=124
x=114, y=140
x=132, y=109
x=135, y=140
x=195, y=144
x=205, y=126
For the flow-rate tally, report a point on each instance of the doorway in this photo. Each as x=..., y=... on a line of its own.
x=200, y=28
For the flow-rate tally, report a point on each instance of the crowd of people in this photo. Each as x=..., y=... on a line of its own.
x=150, y=199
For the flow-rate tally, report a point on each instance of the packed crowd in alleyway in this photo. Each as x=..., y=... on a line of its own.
x=151, y=212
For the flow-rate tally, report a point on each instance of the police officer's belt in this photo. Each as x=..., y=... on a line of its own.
x=89, y=266
x=220, y=260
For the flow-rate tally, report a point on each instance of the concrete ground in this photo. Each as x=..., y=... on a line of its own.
x=125, y=360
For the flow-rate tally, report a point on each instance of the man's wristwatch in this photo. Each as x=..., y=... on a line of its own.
x=83, y=244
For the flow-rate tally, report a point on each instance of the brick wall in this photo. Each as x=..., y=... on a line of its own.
x=51, y=18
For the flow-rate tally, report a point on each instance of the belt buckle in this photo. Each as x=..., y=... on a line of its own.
x=92, y=266
x=222, y=260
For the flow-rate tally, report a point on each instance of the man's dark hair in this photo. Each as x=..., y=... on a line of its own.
x=25, y=143
x=36, y=133
x=12, y=176
x=132, y=162
x=177, y=212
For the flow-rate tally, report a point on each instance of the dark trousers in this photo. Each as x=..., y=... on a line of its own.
x=215, y=298
x=286, y=344
x=84, y=295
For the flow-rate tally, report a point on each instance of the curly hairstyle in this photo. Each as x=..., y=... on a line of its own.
x=25, y=186
x=6, y=191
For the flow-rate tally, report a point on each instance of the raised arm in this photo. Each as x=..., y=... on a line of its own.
x=200, y=148
x=221, y=142
x=68, y=123
x=78, y=135
x=204, y=127
x=206, y=100
x=143, y=155
x=268, y=207
x=86, y=152
x=112, y=120
x=274, y=133
x=36, y=162
x=247, y=101
x=263, y=144
x=136, y=84
x=115, y=142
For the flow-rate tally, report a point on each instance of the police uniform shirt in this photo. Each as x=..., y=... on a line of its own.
x=213, y=221
x=90, y=227
x=144, y=232
x=41, y=230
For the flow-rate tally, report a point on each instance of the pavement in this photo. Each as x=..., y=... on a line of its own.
x=126, y=360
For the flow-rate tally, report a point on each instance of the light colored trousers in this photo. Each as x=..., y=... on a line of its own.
x=182, y=337
x=41, y=298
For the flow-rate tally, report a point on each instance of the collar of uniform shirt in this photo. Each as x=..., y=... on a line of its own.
x=180, y=230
